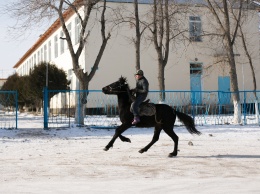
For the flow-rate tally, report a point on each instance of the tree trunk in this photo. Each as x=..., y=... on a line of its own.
x=138, y=37
x=161, y=39
x=234, y=86
x=81, y=97
x=229, y=37
x=161, y=79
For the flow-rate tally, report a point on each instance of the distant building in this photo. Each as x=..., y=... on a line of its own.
x=2, y=81
x=192, y=65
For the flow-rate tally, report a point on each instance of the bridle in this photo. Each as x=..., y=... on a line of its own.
x=120, y=86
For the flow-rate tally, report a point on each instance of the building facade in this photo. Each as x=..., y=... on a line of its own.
x=195, y=63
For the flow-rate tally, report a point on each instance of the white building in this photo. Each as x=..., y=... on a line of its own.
x=191, y=66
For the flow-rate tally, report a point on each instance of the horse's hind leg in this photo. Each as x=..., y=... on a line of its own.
x=169, y=131
x=157, y=131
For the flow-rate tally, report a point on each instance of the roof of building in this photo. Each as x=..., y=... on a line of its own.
x=67, y=14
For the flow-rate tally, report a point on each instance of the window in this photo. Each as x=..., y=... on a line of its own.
x=26, y=68
x=61, y=43
x=69, y=28
x=42, y=55
x=39, y=56
x=56, y=46
x=31, y=63
x=195, y=28
x=45, y=52
x=77, y=30
x=49, y=50
x=34, y=60
x=195, y=68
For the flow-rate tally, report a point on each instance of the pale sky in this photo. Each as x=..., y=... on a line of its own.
x=12, y=49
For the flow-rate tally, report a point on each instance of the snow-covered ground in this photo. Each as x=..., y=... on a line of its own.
x=224, y=159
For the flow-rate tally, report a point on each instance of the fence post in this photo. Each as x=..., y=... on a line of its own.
x=16, y=106
x=257, y=112
x=79, y=115
x=45, y=107
x=244, y=108
x=193, y=101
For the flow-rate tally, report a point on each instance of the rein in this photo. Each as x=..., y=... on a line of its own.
x=130, y=96
x=127, y=91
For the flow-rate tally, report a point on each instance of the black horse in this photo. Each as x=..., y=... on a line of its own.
x=163, y=119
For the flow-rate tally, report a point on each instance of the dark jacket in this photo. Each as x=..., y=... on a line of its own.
x=142, y=87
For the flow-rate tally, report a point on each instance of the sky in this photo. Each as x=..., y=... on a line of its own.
x=12, y=49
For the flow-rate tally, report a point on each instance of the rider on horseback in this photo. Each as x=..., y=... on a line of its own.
x=141, y=90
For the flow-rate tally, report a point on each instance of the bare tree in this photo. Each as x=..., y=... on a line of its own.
x=222, y=12
x=138, y=36
x=250, y=61
x=36, y=10
x=165, y=29
x=246, y=49
x=125, y=15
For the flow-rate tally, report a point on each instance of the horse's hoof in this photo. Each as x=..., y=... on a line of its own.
x=128, y=140
x=106, y=149
x=172, y=155
x=141, y=151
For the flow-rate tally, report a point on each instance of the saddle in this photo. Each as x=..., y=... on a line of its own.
x=146, y=108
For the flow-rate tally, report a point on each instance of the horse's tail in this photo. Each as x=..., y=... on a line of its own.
x=188, y=122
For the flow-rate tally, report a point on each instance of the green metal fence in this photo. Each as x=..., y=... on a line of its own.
x=8, y=109
x=206, y=107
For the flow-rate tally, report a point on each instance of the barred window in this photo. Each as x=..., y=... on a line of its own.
x=195, y=68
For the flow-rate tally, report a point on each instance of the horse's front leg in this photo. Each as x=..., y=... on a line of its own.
x=124, y=139
x=119, y=130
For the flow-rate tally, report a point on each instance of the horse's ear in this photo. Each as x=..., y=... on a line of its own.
x=122, y=79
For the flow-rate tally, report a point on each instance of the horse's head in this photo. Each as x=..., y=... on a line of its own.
x=116, y=87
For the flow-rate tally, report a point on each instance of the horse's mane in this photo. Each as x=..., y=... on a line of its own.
x=122, y=80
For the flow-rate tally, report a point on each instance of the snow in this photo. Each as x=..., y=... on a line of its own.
x=224, y=159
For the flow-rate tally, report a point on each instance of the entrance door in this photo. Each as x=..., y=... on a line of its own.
x=195, y=83
x=224, y=90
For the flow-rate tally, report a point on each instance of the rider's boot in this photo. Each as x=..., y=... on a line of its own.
x=136, y=120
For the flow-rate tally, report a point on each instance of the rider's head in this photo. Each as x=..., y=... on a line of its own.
x=139, y=72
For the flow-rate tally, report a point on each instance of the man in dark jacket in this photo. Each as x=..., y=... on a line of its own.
x=141, y=90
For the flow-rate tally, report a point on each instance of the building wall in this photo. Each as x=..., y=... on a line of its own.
x=2, y=81
x=119, y=56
